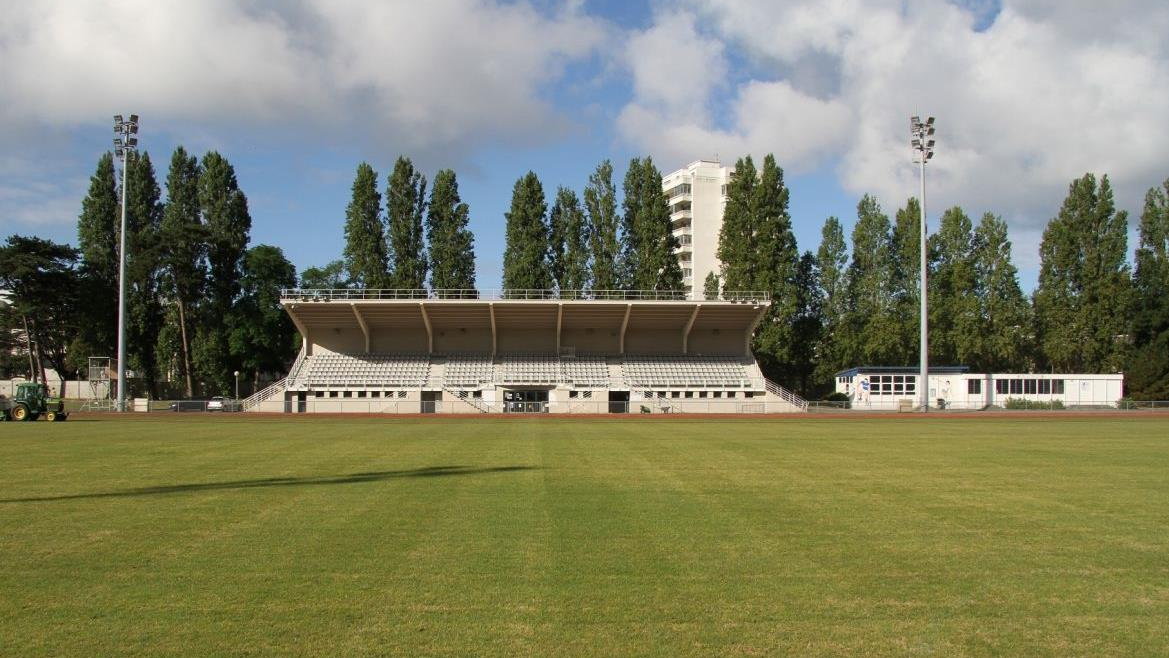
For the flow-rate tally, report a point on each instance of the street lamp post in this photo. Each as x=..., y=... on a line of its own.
x=124, y=142
x=921, y=140
x=237, y=384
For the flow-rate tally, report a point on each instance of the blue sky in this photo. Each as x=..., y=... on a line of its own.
x=296, y=94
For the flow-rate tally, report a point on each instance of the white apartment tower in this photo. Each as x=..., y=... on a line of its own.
x=697, y=194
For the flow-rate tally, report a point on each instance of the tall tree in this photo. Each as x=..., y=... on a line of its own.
x=525, y=263
x=807, y=323
x=568, y=243
x=954, y=308
x=600, y=199
x=1148, y=372
x=183, y=253
x=225, y=216
x=906, y=247
x=710, y=286
x=1003, y=340
x=365, y=242
x=41, y=281
x=831, y=266
x=261, y=334
x=649, y=246
x=776, y=269
x=452, y=245
x=872, y=337
x=143, y=258
x=1083, y=291
x=97, y=233
x=405, y=208
x=736, y=239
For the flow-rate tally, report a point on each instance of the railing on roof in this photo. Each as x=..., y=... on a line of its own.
x=330, y=294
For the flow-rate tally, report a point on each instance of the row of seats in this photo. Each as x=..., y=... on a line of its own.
x=685, y=372
x=475, y=370
x=331, y=369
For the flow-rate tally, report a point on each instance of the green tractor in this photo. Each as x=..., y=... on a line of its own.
x=32, y=400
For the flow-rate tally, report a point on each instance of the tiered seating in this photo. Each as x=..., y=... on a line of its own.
x=585, y=371
x=340, y=370
x=528, y=369
x=685, y=372
x=468, y=370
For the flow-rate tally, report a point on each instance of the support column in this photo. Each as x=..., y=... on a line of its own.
x=304, y=338
x=361, y=323
x=494, y=339
x=624, y=326
x=751, y=329
x=559, y=319
x=686, y=331
x=429, y=331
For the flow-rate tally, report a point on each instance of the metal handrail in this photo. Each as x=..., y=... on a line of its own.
x=508, y=294
x=784, y=394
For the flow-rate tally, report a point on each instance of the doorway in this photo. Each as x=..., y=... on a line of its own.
x=526, y=401
x=618, y=402
x=431, y=402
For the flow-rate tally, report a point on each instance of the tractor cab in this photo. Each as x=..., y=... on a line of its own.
x=30, y=402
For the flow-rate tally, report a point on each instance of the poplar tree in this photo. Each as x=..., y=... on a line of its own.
x=873, y=337
x=97, y=234
x=1148, y=372
x=600, y=199
x=1082, y=298
x=1003, y=339
x=525, y=258
x=710, y=287
x=452, y=245
x=906, y=247
x=807, y=323
x=736, y=238
x=184, y=249
x=568, y=243
x=648, y=247
x=365, y=245
x=143, y=258
x=954, y=309
x=224, y=208
x=775, y=269
x=405, y=209
x=831, y=264
x=262, y=335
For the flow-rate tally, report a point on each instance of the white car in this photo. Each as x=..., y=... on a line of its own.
x=217, y=403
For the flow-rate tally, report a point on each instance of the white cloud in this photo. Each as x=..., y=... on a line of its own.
x=1045, y=93
x=439, y=75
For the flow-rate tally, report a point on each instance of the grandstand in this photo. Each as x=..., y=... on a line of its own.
x=419, y=351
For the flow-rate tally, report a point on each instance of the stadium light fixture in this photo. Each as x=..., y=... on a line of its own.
x=923, y=151
x=123, y=145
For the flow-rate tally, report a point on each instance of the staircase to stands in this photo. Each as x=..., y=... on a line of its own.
x=785, y=395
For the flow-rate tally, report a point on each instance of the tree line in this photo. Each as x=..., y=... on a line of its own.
x=200, y=304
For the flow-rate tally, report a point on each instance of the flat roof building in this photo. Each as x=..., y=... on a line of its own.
x=697, y=195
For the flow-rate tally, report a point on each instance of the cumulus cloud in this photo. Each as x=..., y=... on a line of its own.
x=1025, y=103
x=446, y=74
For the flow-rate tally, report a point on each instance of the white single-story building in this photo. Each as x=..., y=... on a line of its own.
x=896, y=387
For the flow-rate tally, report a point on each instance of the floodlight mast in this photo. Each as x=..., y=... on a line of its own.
x=123, y=144
x=923, y=150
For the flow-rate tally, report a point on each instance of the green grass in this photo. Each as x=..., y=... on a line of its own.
x=259, y=536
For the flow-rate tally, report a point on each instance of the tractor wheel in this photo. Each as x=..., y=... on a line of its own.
x=51, y=416
x=20, y=412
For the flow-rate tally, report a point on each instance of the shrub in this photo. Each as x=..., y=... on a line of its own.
x=1019, y=403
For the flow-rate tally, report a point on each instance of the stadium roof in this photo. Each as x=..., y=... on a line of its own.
x=902, y=370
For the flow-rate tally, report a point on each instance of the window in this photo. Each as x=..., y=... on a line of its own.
x=479, y=394
x=401, y=394
x=375, y=394
x=1044, y=386
x=348, y=394
x=675, y=394
x=1016, y=386
x=701, y=394
x=1000, y=386
x=974, y=387
x=587, y=395
x=319, y=394
x=730, y=394
x=1057, y=386
x=1029, y=387
x=748, y=394
x=361, y=394
x=572, y=394
x=718, y=394
x=332, y=394
x=647, y=395
x=689, y=394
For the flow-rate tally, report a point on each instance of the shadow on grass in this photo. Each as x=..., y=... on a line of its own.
x=352, y=478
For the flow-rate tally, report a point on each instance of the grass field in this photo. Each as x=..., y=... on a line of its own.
x=314, y=536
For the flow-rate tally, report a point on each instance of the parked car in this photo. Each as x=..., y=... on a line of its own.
x=217, y=403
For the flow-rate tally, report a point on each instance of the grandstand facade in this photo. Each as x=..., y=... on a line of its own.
x=514, y=351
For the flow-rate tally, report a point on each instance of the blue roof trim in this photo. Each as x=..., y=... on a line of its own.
x=902, y=370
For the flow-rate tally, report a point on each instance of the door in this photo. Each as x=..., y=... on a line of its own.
x=618, y=402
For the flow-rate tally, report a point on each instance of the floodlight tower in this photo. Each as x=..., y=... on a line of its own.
x=921, y=140
x=125, y=141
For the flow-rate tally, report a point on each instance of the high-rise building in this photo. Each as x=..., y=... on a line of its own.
x=697, y=194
